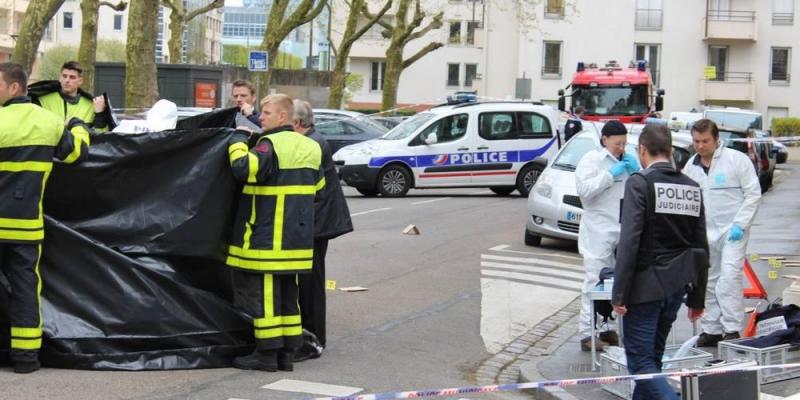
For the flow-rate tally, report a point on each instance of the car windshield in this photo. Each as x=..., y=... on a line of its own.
x=408, y=127
x=575, y=149
x=734, y=120
x=734, y=140
x=610, y=101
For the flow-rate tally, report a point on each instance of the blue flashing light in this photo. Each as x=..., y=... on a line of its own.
x=641, y=65
x=581, y=66
x=461, y=98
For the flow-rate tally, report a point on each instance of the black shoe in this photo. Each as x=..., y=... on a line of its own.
x=731, y=336
x=285, y=361
x=610, y=337
x=708, y=340
x=306, y=353
x=26, y=367
x=261, y=361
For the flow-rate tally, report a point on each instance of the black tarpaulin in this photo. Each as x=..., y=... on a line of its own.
x=133, y=258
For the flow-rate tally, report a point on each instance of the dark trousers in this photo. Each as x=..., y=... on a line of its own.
x=312, y=293
x=646, y=327
x=20, y=264
x=271, y=300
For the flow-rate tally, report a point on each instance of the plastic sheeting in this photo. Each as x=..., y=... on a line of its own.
x=133, y=258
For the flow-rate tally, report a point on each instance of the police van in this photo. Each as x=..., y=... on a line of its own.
x=500, y=145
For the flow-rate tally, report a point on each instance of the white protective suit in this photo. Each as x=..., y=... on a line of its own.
x=731, y=195
x=601, y=196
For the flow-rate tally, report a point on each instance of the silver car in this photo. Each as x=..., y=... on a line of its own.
x=554, y=208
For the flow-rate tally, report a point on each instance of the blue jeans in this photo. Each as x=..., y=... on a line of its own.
x=646, y=327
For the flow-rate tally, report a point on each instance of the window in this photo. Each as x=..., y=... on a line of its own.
x=471, y=26
x=783, y=12
x=718, y=57
x=447, y=129
x=470, y=72
x=117, y=22
x=554, y=9
x=455, y=33
x=376, y=76
x=513, y=125
x=67, y=20
x=532, y=125
x=330, y=128
x=779, y=66
x=551, y=66
x=648, y=15
x=453, y=74
x=650, y=53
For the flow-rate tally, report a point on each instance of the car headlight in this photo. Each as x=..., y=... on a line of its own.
x=544, y=189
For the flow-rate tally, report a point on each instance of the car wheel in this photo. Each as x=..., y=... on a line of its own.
x=502, y=190
x=394, y=181
x=367, y=192
x=526, y=178
x=532, y=240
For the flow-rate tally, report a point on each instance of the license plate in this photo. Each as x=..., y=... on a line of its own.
x=573, y=216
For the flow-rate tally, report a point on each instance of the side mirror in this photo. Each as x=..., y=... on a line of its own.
x=659, y=102
x=431, y=139
x=562, y=102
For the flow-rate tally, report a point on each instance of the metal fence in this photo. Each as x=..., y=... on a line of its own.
x=731, y=15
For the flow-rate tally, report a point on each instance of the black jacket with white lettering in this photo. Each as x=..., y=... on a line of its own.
x=661, y=252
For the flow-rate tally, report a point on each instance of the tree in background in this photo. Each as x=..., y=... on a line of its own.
x=37, y=16
x=279, y=25
x=87, y=52
x=400, y=34
x=342, y=53
x=141, y=75
x=178, y=18
x=49, y=66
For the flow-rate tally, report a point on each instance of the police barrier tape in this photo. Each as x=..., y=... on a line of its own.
x=544, y=384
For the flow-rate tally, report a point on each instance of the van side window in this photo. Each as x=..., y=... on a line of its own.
x=533, y=126
x=447, y=129
x=497, y=126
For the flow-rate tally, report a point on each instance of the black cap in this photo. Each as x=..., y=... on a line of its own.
x=614, y=127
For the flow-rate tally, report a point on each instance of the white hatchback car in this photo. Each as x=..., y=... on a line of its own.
x=554, y=208
x=500, y=145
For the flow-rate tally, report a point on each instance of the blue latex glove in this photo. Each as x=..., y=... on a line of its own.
x=631, y=164
x=618, y=169
x=736, y=233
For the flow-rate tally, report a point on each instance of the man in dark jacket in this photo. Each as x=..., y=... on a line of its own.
x=244, y=97
x=331, y=219
x=663, y=256
x=574, y=124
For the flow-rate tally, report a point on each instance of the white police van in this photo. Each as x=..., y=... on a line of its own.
x=500, y=145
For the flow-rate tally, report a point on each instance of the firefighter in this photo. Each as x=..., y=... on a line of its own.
x=273, y=233
x=31, y=136
x=66, y=99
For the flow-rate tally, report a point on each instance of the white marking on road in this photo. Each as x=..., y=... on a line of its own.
x=324, y=389
x=533, y=280
x=369, y=211
x=535, y=261
x=532, y=270
x=429, y=201
x=235, y=398
x=504, y=247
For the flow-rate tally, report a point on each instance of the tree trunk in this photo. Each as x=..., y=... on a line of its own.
x=176, y=25
x=32, y=29
x=391, y=80
x=338, y=83
x=141, y=75
x=266, y=77
x=87, y=53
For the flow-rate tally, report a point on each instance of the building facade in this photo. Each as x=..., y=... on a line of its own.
x=11, y=14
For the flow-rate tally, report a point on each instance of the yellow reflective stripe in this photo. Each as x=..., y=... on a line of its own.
x=292, y=330
x=236, y=151
x=271, y=333
x=320, y=184
x=277, y=229
x=252, y=168
x=280, y=190
x=17, y=223
x=79, y=136
x=19, y=166
x=270, y=254
x=22, y=235
x=26, y=344
x=248, y=226
x=268, y=265
x=267, y=322
x=292, y=320
x=26, y=333
x=269, y=305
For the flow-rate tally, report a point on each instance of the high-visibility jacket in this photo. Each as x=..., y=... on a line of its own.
x=29, y=138
x=274, y=227
x=48, y=95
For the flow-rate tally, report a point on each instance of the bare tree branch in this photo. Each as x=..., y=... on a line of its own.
x=314, y=13
x=202, y=10
x=421, y=53
x=435, y=24
x=121, y=6
x=384, y=24
x=372, y=20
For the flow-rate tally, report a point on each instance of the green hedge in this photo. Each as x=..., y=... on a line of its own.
x=786, y=126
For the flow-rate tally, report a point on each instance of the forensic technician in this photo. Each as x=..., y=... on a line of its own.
x=600, y=182
x=732, y=194
x=664, y=256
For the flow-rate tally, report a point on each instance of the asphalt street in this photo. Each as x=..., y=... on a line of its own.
x=437, y=305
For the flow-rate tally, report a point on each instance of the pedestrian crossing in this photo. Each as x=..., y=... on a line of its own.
x=555, y=271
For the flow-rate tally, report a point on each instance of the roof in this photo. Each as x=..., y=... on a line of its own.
x=613, y=77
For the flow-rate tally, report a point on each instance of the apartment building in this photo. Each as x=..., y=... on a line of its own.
x=747, y=42
x=11, y=14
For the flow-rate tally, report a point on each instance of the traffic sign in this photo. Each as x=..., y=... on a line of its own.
x=258, y=61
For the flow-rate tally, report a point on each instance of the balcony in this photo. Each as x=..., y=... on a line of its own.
x=729, y=86
x=731, y=25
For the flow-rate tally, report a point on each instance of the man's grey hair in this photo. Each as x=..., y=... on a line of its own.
x=303, y=114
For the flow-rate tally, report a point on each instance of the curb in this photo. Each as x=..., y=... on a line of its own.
x=529, y=371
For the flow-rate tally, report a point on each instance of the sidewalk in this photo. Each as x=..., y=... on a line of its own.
x=774, y=233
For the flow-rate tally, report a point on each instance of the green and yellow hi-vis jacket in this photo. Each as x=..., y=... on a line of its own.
x=48, y=95
x=274, y=227
x=30, y=137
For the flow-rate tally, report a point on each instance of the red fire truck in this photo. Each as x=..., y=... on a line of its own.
x=613, y=92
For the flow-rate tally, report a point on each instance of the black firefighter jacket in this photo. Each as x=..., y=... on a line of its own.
x=331, y=214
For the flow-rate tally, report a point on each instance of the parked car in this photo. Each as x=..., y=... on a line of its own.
x=782, y=153
x=554, y=207
x=388, y=122
x=346, y=114
x=341, y=132
x=757, y=147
